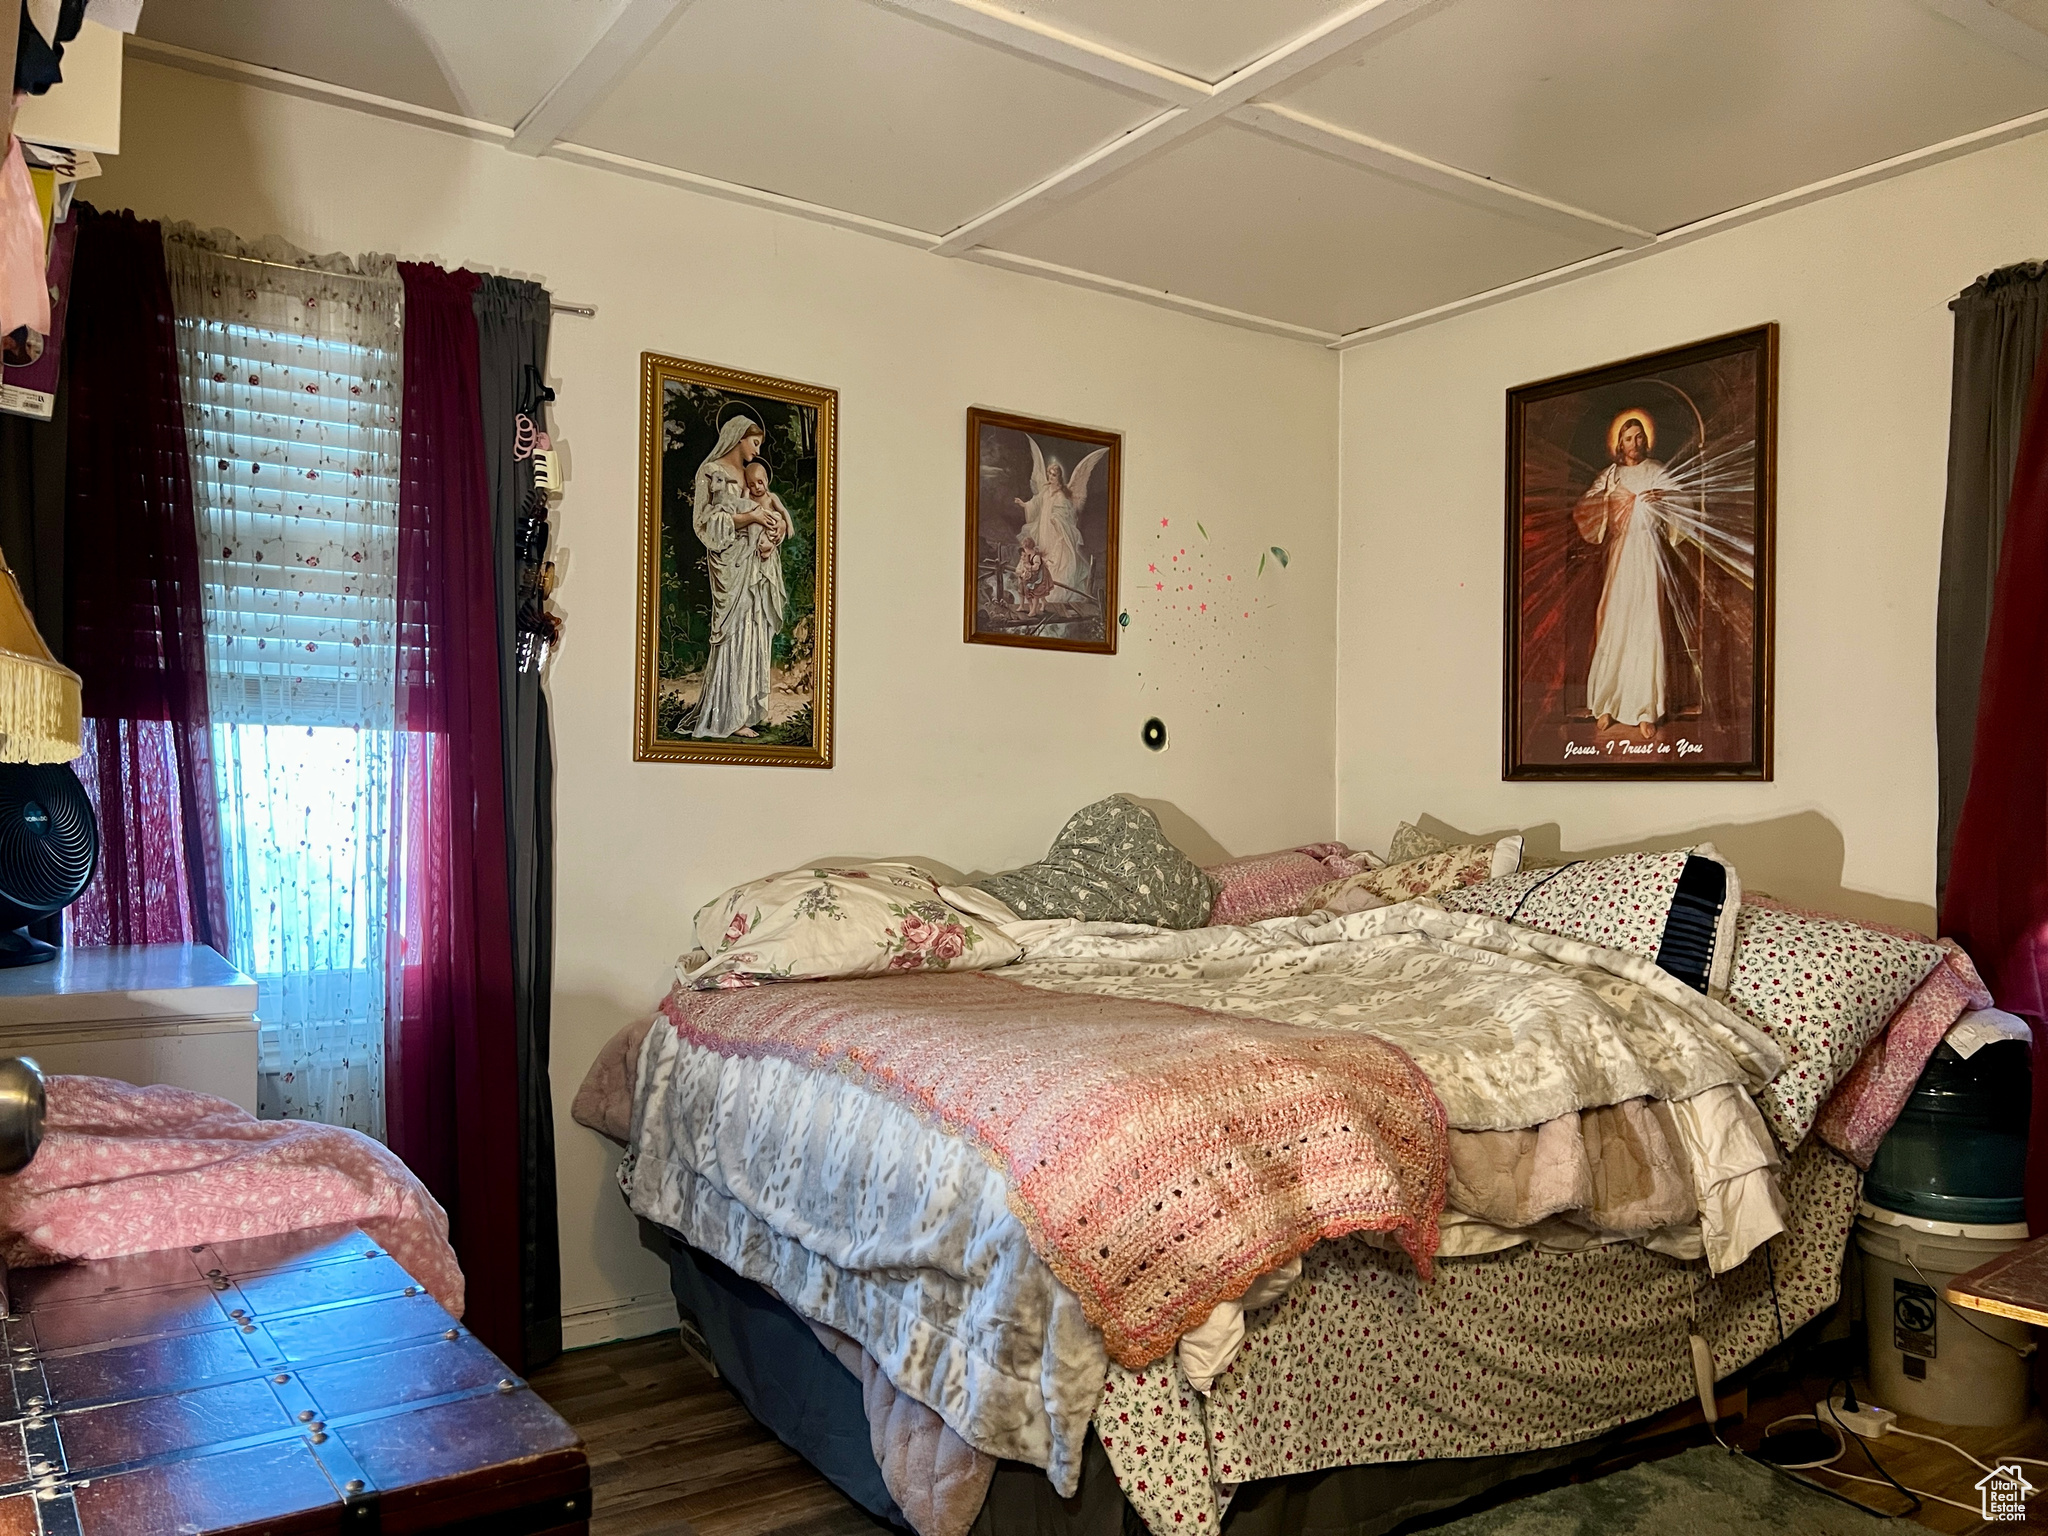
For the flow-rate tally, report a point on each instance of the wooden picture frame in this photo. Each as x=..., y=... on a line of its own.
x=735, y=634
x=1042, y=561
x=1632, y=657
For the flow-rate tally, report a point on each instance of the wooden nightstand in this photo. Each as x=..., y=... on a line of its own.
x=142, y=1013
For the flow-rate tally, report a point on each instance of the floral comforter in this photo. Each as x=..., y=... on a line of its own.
x=1511, y=1026
x=878, y=1223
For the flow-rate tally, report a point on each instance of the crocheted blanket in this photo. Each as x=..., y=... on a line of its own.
x=1160, y=1157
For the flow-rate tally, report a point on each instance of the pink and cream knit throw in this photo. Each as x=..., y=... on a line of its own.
x=1160, y=1157
x=127, y=1170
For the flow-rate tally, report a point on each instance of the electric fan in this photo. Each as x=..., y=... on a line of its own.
x=49, y=845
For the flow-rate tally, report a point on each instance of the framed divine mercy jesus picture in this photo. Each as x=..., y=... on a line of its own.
x=1639, y=554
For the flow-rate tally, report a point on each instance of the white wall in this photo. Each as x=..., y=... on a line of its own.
x=970, y=754
x=1859, y=286
x=973, y=755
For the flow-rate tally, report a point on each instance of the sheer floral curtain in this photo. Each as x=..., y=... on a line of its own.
x=292, y=396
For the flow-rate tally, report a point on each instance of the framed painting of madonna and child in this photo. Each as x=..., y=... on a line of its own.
x=1041, y=533
x=738, y=474
x=1639, y=567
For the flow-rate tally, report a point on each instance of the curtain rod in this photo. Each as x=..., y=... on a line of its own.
x=586, y=311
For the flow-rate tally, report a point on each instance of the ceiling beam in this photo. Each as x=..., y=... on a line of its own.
x=1749, y=213
x=1017, y=33
x=690, y=181
x=2000, y=28
x=1031, y=265
x=637, y=28
x=1336, y=34
x=709, y=186
x=734, y=192
x=1328, y=139
x=136, y=46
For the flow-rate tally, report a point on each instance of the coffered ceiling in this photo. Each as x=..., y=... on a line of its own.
x=1334, y=170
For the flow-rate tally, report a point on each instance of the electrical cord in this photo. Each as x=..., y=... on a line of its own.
x=1916, y=1497
x=1842, y=1436
x=1916, y=1494
x=1848, y=1392
x=2022, y=1350
x=1771, y=1270
x=1982, y=1466
x=1775, y=1425
x=1828, y=1466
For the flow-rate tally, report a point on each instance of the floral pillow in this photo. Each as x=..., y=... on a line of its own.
x=1431, y=875
x=1821, y=988
x=1110, y=864
x=842, y=920
x=1265, y=885
x=1411, y=843
x=1675, y=908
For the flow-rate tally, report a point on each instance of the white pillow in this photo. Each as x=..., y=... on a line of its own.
x=842, y=920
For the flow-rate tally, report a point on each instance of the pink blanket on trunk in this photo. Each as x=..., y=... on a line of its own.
x=131, y=1170
x=1160, y=1157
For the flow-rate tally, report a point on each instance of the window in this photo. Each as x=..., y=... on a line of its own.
x=292, y=397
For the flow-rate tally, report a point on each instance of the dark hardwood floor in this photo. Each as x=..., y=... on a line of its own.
x=1917, y=1464
x=673, y=1452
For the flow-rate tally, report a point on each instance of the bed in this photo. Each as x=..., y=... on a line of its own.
x=1336, y=1216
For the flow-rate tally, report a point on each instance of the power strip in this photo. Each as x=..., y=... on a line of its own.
x=1867, y=1419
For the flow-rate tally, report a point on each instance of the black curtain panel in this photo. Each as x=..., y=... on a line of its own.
x=512, y=351
x=1999, y=325
x=32, y=512
x=134, y=625
x=32, y=538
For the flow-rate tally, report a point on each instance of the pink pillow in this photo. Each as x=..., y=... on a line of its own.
x=1867, y=1102
x=1267, y=885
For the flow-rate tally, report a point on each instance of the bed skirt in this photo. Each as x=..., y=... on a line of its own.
x=793, y=1385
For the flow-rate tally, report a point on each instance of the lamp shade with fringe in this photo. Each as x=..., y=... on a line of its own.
x=41, y=714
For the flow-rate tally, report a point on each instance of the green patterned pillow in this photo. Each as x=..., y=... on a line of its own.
x=1110, y=864
x=1411, y=843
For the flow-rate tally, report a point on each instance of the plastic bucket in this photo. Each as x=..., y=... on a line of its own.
x=1927, y=1358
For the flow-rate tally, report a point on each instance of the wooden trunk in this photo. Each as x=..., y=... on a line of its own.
x=302, y=1383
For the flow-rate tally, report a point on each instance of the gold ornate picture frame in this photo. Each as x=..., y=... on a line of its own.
x=738, y=492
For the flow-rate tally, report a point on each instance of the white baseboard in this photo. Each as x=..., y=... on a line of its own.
x=630, y=1317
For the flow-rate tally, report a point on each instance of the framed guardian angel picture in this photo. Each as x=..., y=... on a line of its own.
x=1041, y=533
x=738, y=474
x=1639, y=554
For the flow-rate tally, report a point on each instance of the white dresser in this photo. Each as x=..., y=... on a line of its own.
x=143, y=1013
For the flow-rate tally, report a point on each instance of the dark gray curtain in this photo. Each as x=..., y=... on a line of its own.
x=32, y=538
x=1999, y=324
x=512, y=353
x=32, y=514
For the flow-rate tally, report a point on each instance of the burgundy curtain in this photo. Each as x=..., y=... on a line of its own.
x=134, y=630
x=451, y=1064
x=1996, y=901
